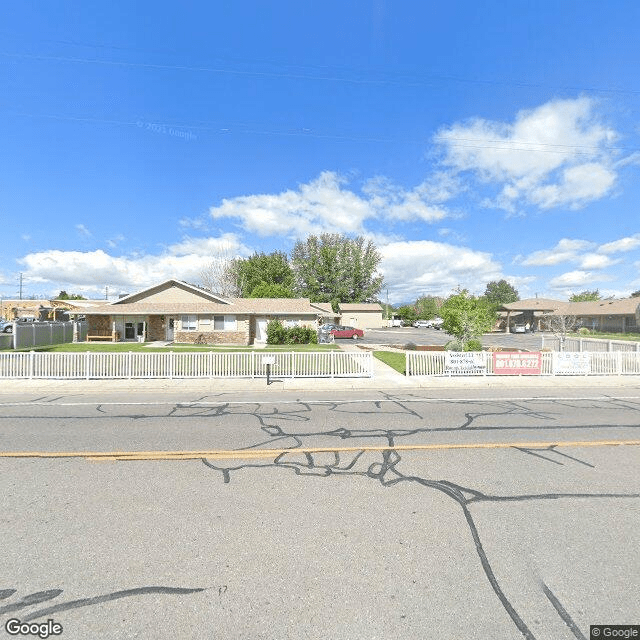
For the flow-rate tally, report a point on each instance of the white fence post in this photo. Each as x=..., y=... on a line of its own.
x=332, y=366
x=129, y=364
x=31, y=363
x=86, y=364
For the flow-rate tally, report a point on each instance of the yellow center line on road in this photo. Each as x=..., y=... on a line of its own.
x=237, y=454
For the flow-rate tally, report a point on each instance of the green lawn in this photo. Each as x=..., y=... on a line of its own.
x=105, y=347
x=635, y=337
x=392, y=359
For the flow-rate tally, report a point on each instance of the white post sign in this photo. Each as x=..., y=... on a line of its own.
x=465, y=362
x=571, y=363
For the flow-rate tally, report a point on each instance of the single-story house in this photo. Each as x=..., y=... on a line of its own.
x=362, y=315
x=611, y=315
x=180, y=312
x=527, y=312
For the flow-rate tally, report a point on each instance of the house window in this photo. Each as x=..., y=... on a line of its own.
x=189, y=323
x=224, y=323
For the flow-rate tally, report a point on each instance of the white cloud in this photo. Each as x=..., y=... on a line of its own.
x=325, y=205
x=92, y=270
x=566, y=250
x=423, y=267
x=624, y=244
x=596, y=261
x=577, y=278
x=558, y=154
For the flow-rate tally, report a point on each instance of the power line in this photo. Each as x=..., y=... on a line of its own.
x=240, y=129
x=410, y=81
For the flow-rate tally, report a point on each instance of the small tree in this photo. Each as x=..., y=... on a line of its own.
x=560, y=325
x=466, y=317
x=636, y=294
x=585, y=296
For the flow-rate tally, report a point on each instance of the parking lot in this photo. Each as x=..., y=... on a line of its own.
x=418, y=336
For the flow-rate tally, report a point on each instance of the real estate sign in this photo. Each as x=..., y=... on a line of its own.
x=516, y=364
x=571, y=363
x=465, y=362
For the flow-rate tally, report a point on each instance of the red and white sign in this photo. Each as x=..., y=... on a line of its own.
x=515, y=364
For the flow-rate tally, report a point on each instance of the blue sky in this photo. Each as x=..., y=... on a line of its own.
x=471, y=141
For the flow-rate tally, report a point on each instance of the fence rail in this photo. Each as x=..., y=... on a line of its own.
x=590, y=344
x=172, y=364
x=552, y=363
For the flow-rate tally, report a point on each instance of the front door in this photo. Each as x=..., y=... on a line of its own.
x=261, y=330
x=170, y=327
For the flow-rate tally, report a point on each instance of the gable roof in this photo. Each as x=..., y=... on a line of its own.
x=535, y=304
x=198, y=293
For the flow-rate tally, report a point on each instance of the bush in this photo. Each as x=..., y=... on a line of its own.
x=454, y=345
x=277, y=334
x=410, y=346
x=473, y=345
x=583, y=331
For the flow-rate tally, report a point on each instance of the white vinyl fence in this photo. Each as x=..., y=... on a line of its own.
x=42, y=334
x=437, y=363
x=172, y=364
x=590, y=344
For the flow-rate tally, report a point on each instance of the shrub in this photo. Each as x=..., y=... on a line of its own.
x=473, y=345
x=410, y=346
x=276, y=333
x=454, y=345
x=583, y=331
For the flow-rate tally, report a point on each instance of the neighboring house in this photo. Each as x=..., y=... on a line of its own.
x=605, y=315
x=362, y=315
x=180, y=312
x=610, y=315
x=526, y=312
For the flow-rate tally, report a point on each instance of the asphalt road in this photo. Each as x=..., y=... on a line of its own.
x=497, y=516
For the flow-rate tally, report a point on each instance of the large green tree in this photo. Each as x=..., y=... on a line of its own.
x=500, y=292
x=426, y=307
x=585, y=296
x=259, y=273
x=466, y=317
x=334, y=268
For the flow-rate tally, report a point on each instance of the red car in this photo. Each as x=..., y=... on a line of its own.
x=347, y=332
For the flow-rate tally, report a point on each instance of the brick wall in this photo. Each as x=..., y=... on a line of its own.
x=240, y=338
x=156, y=328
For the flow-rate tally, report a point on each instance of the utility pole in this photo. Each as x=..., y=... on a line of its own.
x=106, y=292
x=20, y=287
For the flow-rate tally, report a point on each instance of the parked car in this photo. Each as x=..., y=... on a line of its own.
x=422, y=323
x=347, y=332
x=6, y=326
x=436, y=323
x=327, y=327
